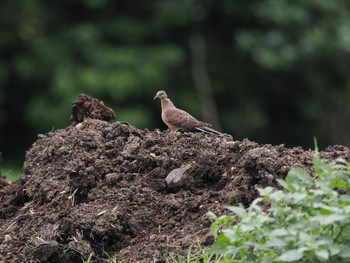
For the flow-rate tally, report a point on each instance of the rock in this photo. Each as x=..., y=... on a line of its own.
x=177, y=177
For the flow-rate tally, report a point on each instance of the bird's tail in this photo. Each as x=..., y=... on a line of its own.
x=208, y=130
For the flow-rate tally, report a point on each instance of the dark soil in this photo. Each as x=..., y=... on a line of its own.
x=100, y=188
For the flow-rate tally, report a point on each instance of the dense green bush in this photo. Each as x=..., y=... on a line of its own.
x=278, y=70
x=307, y=221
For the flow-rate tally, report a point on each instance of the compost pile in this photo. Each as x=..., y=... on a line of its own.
x=119, y=192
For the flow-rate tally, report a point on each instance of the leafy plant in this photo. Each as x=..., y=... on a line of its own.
x=307, y=221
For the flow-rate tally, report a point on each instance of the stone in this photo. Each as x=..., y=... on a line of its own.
x=177, y=177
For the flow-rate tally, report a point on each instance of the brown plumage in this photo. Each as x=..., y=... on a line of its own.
x=177, y=119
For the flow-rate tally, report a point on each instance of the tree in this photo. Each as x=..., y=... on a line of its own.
x=277, y=70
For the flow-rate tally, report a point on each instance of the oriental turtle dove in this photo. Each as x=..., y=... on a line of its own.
x=177, y=119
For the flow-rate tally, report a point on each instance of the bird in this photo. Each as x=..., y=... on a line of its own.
x=177, y=119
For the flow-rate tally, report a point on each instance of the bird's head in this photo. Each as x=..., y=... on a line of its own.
x=161, y=95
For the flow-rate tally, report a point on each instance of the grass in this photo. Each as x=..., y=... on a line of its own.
x=88, y=260
x=202, y=256
x=109, y=260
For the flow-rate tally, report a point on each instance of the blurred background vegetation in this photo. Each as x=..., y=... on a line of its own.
x=273, y=71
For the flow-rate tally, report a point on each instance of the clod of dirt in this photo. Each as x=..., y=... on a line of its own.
x=86, y=106
x=100, y=188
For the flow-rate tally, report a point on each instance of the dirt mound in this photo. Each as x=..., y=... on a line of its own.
x=112, y=190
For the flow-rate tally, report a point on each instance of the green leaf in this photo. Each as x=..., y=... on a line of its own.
x=283, y=183
x=345, y=253
x=301, y=174
x=322, y=254
x=274, y=243
x=221, y=244
x=247, y=227
x=222, y=220
x=279, y=232
x=304, y=237
x=230, y=233
x=328, y=219
x=266, y=191
x=316, y=146
x=325, y=212
x=345, y=198
x=341, y=181
x=254, y=206
x=238, y=210
x=214, y=229
x=326, y=242
x=291, y=255
x=321, y=168
x=297, y=196
x=292, y=177
x=334, y=249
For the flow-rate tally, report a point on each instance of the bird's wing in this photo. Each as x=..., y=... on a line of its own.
x=182, y=119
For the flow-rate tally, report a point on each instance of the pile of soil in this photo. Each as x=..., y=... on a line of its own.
x=103, y=188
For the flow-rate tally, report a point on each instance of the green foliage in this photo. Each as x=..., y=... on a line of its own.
x=283, y=42
x=307, y=221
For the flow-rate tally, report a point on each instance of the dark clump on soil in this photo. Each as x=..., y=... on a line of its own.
x=102, y=188
x=86, y=106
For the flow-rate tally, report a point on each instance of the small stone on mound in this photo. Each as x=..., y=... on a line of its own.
x=176, y=178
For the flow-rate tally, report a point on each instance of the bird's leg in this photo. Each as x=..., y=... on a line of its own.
x=181, y=130
x=174, y=131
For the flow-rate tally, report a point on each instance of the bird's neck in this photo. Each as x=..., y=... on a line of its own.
x=166, y=103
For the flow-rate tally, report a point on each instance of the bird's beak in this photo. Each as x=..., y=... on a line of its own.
x=155, y=97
